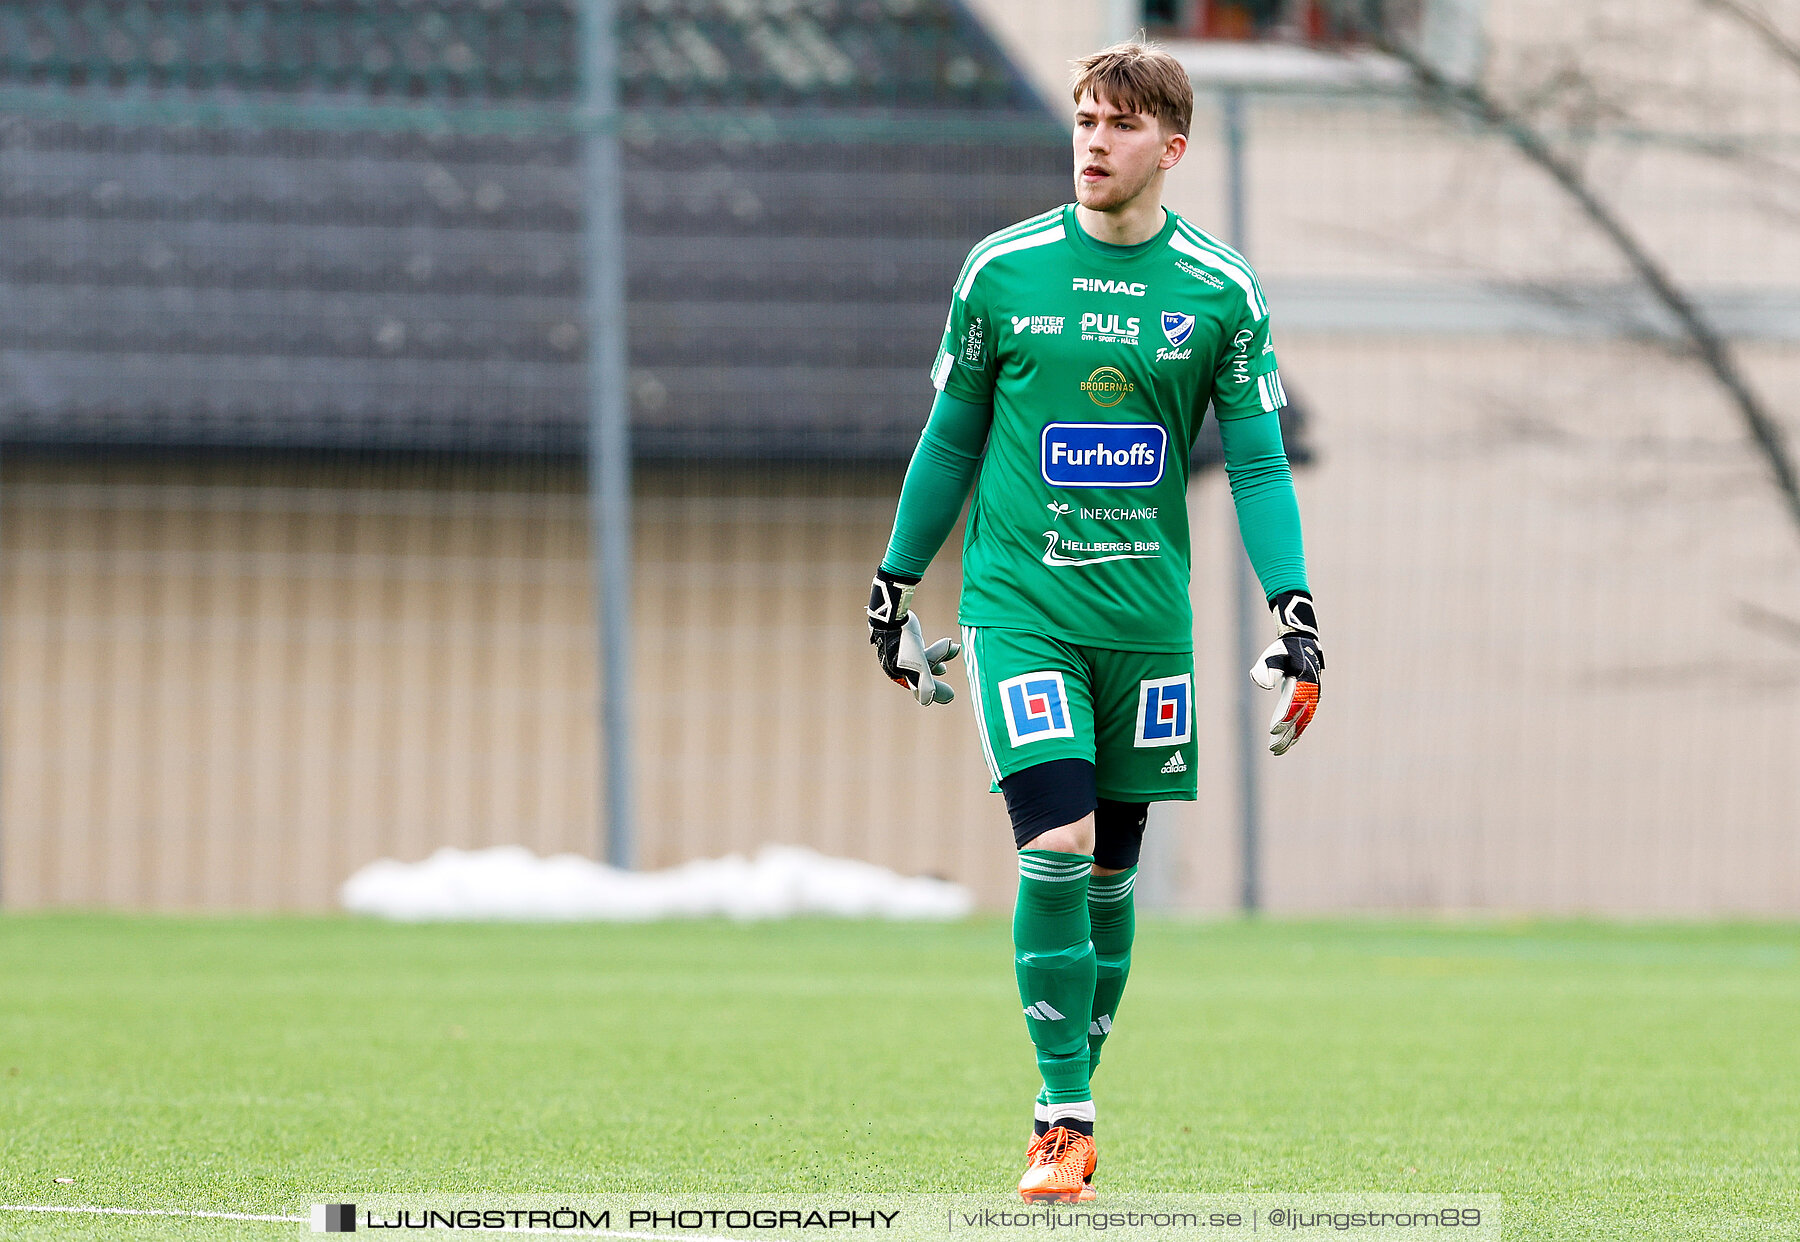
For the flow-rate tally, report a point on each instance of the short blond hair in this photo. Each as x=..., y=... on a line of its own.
x=1138, y=77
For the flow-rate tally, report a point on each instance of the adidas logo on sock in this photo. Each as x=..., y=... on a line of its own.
x=1043, y=1012
x=1175, y=764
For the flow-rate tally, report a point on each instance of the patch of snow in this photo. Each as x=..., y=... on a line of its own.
x=509, y=882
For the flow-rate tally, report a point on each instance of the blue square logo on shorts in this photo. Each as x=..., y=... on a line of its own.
x=1036, y=707
x=1165, y=715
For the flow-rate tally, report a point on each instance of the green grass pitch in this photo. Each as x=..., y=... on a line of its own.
x=1611, y=1082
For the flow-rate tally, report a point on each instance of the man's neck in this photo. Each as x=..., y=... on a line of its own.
x=1131, y=225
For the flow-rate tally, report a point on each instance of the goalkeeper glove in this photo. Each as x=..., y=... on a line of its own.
x=1292, y=663
x=900, y=642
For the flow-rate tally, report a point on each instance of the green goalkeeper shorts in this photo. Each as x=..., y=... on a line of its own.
x=1129, y=713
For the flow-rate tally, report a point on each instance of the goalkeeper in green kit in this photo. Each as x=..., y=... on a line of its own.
x=1082, y=349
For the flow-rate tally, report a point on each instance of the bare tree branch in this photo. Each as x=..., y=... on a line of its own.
x=1774, y=624
x=1764, y=27
x=1707, y=342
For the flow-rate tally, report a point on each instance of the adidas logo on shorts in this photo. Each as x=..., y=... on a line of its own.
x=1175, y=764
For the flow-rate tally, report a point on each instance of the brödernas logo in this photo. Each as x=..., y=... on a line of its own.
x=1107, y=386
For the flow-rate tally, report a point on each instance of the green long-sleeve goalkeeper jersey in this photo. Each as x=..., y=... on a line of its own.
x=1099, y=363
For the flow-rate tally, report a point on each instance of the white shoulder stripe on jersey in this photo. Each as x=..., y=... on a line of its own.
x=1237, y=274
x=1268, y=387
x=940, y=374
x=1199, y=236
x=1024, y=226
x=1196, y=233
x=1222, y=258
x=1006, y=234
x=1225, y=259
x=1206, y=241
x=1026, y=242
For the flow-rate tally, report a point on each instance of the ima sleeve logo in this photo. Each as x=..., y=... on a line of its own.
x=1164, y=715
x=1036, y=707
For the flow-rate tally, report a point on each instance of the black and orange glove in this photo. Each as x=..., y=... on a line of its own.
x=1291, y=664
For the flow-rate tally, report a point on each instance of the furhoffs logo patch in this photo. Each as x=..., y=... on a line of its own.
x=1103, y=454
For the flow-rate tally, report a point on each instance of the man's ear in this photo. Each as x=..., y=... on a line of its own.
x=1173, y=150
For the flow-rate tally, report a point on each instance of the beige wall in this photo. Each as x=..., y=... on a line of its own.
x=1559, y=675
x=762, y=715
x=1562, y=617
x=230, y=686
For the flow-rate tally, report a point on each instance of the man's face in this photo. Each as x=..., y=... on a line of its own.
x=1117, y=153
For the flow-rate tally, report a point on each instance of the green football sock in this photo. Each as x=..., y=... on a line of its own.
x=1054, y=960
x=1113, y=923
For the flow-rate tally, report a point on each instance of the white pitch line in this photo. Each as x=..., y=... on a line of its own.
x=302, y=1220
x=116, y=1211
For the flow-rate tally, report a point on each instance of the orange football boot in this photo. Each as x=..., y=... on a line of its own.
x=1059, y=1163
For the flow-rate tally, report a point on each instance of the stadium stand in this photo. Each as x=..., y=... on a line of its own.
x=331, y=224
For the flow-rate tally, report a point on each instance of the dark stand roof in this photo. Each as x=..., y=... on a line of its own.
x=357, y=223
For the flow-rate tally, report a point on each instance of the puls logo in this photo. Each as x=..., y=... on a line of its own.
x=1037, y=325
x=1111, y=329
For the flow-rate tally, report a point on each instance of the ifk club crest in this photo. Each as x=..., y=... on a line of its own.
x=1177, y=326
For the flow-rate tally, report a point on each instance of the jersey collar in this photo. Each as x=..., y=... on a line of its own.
x=1097, y=251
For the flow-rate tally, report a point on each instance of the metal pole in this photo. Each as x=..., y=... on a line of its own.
x=1246, y=599
x=1123, y=17
x=609, y=427
x=2, y=735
